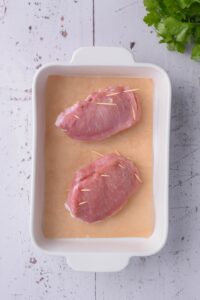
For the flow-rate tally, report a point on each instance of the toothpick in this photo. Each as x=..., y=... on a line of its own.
x=97, y=153
x=136, y=104
x=121, y=166
x=131, y=90
x=138, y=178
x=117, y=152
x=77, y=117
x=105, y=175
x=85, y=190
x=106, y=103
x=81, y=203
x=125, y=91
x=133, y=111
x=113, y=94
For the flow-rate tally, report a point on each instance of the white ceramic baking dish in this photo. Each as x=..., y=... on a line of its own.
x=104, y=254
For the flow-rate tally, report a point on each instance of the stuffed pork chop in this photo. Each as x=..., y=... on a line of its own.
x=102, y=188
x=101, y=115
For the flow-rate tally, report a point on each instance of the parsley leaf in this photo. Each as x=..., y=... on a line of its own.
x=177, y=23
x=196, y=52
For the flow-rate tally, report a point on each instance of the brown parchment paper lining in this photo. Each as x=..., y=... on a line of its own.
x=63, y=156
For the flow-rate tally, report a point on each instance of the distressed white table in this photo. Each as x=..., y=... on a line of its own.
x=36, y=32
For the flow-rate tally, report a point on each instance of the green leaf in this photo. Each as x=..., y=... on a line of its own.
x=187, y=3
x=151, y=18
x=173, y=30
x=178, y=29
x=161, y=29
x=177, y=23
x=151, y=4
x=173, y=8
x=180, y=47
x=197, y=34
x=184, y=32
x=196, y=52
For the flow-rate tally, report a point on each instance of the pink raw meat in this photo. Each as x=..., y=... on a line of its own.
x=102, y=188
x=101, y=114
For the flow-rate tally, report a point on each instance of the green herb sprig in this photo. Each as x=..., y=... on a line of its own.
x=177, y=23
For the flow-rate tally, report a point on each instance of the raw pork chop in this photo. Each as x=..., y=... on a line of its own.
x=101, y=114
x=102, y=188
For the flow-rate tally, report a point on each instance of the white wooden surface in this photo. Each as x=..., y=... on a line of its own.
x=33, y=33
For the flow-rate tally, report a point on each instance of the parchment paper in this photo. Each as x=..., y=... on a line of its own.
x=63, y=156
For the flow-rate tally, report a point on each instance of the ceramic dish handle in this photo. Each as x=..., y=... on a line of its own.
x=98, y=262
x=107, y=56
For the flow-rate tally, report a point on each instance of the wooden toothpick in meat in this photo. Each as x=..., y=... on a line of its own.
x=106, y=103
x=81, y=203
x=125, y=91
x=117, y=152
x=77, y=117
x=98, y=153
x=138, y=178
x=133, y=111
x=121, y=166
